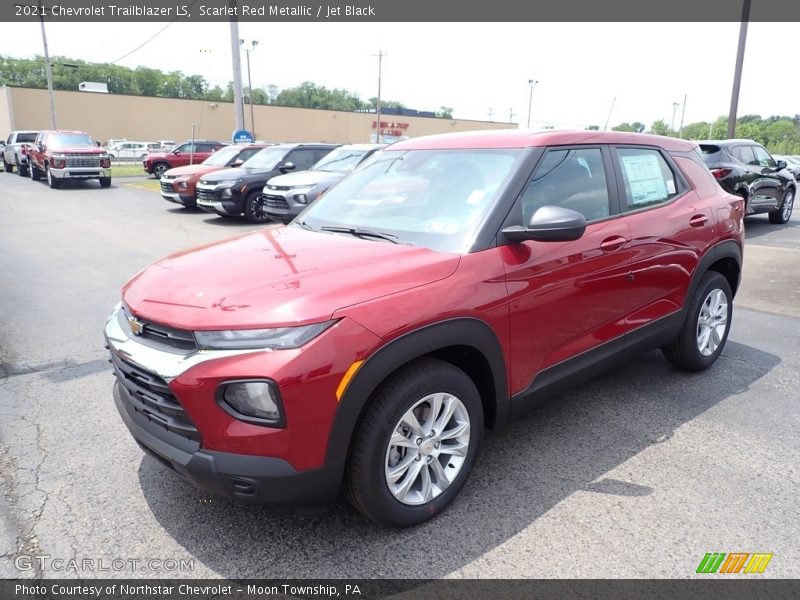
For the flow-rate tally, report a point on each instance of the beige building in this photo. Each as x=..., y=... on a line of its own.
x=141, y=118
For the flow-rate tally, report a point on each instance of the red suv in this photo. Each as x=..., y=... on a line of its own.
x=441, y=289
x=188, y=153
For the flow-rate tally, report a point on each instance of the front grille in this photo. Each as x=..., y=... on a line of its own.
x=150, y=397
x=180, y=339
x=166, y=187
x=278, y=202
x=82, y=160
x=205, y=194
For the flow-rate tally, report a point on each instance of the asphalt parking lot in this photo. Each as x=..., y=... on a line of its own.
x=638, y=473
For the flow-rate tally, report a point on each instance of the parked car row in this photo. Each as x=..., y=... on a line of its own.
x=255, y=179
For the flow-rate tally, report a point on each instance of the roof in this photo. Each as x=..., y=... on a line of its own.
x=733, y=142
x=523, y=138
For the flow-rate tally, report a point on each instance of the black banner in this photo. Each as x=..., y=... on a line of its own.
x=398, y=10
x=728, y=588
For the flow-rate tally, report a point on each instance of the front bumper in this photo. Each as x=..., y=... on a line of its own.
x=261, y=479
x=80, y=172
x=169, y=193
x=210, y=199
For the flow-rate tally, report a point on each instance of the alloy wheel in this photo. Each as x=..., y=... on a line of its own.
x=712, y=322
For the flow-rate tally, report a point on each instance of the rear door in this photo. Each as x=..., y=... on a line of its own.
x=670, y=226
x=567, y=297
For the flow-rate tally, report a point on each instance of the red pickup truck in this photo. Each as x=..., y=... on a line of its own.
x=60, y=155
x=188, y=153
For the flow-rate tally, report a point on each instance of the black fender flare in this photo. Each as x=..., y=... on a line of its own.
x=465, y=331
x=726, y=249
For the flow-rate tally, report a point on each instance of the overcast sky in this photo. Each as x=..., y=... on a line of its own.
x=473, y=67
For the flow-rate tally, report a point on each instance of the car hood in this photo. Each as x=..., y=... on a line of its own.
x=305, y=178
x=277, y=277
x=232, y=173
x=77, y=150
x=190, y=170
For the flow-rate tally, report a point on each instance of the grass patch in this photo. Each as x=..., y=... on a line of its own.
x=151, y=185
x=132, y=170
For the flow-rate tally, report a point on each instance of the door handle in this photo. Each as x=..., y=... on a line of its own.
x=698, y=220
x=615, y=242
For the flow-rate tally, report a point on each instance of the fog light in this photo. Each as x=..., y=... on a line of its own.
x=301, y=199
x=227, y=193
x=256, y=399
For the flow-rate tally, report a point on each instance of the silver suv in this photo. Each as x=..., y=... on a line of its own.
x=13, y=155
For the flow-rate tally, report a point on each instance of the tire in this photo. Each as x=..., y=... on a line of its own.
x=254, y=209
x=35, y=173
x=9, y=168
x=51, y=181
x=105, y=182
x=404, y=502
x=784, y=212
x=698, y=347
x=23, y=170
x=159, y=168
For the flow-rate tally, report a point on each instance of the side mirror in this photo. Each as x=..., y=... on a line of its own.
x=780, y=164
x=287, y=166
x=237, y=163
x=549, y=224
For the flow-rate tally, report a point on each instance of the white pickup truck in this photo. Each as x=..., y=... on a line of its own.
x=14, y=153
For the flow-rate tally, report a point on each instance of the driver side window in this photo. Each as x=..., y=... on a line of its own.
x=573, y=179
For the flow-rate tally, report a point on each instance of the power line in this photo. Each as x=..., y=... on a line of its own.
x=151, y=38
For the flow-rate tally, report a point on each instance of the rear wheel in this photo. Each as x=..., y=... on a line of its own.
x=784, y=212
x=159, y=168
x=416, y=445
x=706, y=328
x=23, y=170
x=9, y=168
x=255, y=209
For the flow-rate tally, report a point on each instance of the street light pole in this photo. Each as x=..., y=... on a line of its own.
x=532, y=83
x=675, y=106
x=237, y=71
x=252, y=47
x=48, y=70
x=737, y=75
x=380, y=56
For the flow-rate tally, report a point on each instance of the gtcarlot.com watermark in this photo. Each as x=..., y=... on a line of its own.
x=45, y=562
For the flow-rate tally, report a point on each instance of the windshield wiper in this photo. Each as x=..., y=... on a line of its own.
x=358, y=232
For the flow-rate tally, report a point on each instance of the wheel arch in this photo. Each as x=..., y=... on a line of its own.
x=468, y=343
x=724, y=258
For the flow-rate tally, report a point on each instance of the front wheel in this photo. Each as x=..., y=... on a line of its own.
x=416, y=445
x=105, y=182
x=255, y=209
x=705, y=331
x=159, y=169
x=784, y=212
x=53, y=182
x=36, y=174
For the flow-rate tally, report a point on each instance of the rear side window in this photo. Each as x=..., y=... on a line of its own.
x=648, y=178
x=711, y=154
x=573, y=179
x=744, y=154
x=27, y=137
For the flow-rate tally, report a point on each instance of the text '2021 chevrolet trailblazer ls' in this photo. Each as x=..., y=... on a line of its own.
x=439, y=290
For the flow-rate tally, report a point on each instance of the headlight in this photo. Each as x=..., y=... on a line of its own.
x=278, y=338
x=257, y=399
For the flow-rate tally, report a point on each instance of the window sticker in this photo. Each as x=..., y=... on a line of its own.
x=645, y=178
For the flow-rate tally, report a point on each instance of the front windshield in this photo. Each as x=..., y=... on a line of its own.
x=70, y=140
x=222, y=157
x=432, y=198
x=340, y=160
x=267, y=159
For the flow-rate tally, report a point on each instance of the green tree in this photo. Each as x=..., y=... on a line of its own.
x=444, y=112
x=593, y=128
x=660, y=127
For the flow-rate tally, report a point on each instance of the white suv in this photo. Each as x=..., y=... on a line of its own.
x=13, y=156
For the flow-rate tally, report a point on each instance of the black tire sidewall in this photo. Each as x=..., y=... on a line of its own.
x=711, y=280
x=376, y=498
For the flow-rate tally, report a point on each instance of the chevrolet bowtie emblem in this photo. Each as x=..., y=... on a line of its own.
x=136, y=325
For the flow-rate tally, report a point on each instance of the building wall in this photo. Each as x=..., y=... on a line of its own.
x=106, y=116
x=5, y=112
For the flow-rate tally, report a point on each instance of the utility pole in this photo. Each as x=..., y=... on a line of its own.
x=511, y=115
x=675, y=106
x=380, y=56
x=683, y=114
x=236, y=64
x=252, y=47
x=48, y=70
x=532, y=83
x=610, y=110
x=737, y=74
x=491, y=112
